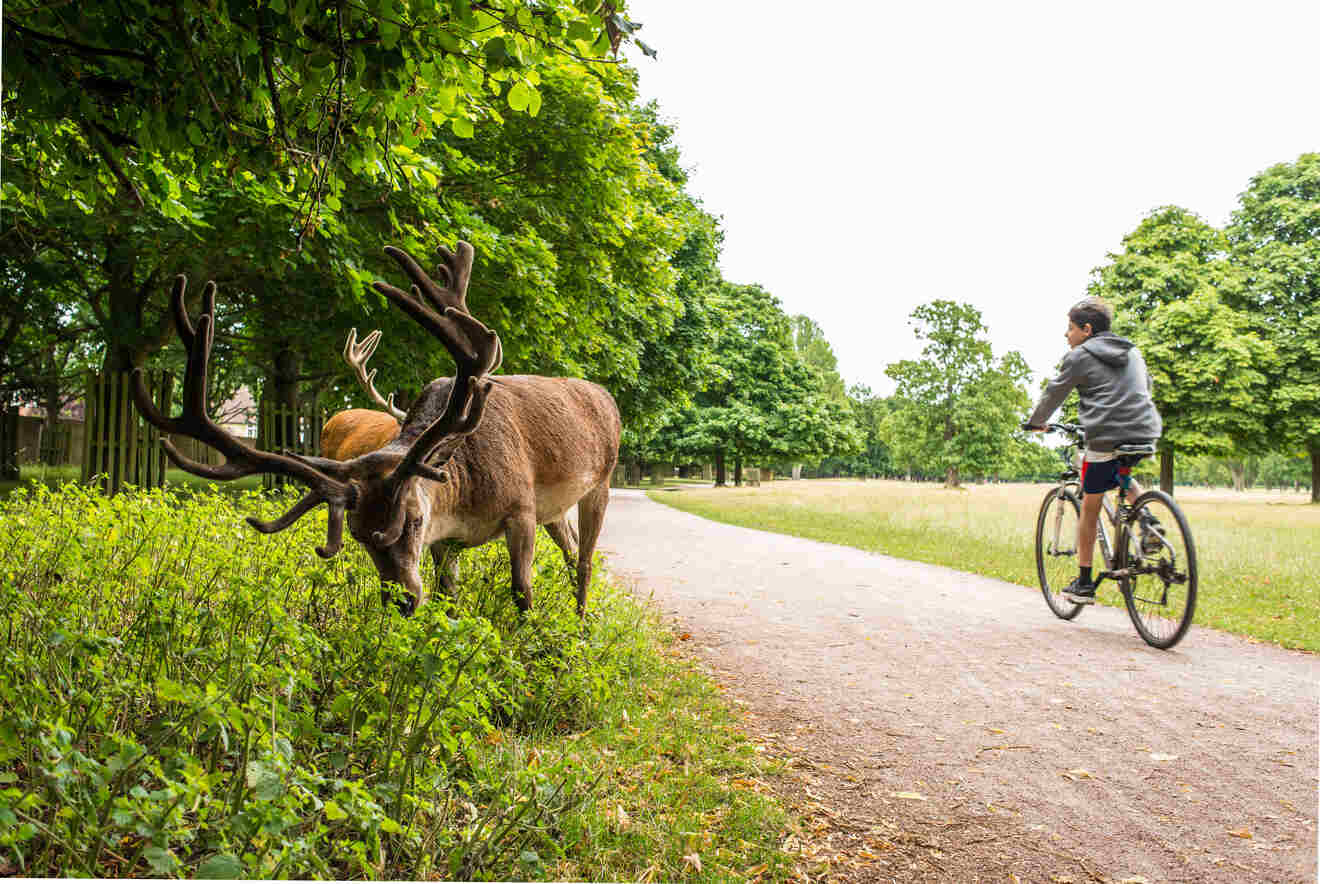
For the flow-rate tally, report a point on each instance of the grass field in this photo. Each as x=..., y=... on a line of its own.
x=1257, y=552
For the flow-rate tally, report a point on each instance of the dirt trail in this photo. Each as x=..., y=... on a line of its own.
x=1044, y=749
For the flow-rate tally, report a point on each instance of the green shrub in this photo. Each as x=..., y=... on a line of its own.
x=183, y=696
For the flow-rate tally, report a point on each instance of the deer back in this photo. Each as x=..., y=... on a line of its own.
x=541, y=445
x=355, y=432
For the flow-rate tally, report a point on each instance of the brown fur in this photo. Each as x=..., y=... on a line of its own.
x=356, y=431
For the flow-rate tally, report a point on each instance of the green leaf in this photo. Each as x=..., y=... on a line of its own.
x=222, y=865
x=162, y=862
x=333, y=811
x=519, y=96
x=462, y=127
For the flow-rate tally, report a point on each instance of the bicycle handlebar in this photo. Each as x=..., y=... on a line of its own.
x=1074, y=430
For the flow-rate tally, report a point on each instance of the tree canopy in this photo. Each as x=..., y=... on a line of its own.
x=956, y=408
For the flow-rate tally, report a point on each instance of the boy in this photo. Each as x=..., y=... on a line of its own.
x=1116, y=407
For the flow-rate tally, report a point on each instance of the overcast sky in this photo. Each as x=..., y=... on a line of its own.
x=868, y=157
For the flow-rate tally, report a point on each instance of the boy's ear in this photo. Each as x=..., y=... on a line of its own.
x=1087, y=328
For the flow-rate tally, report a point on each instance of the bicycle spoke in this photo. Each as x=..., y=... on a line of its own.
x=1160, y=561
x=1056, y=551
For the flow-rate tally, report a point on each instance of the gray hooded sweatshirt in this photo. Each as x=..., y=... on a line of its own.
x=1114, y=386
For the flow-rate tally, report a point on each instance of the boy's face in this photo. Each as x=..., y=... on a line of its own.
x=1076, y=335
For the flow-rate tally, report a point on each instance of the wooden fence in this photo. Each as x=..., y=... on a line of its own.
x=296, y=430
x=119, y=446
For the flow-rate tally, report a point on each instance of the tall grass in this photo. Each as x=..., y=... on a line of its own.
x=182, y=697
x=1256, y=553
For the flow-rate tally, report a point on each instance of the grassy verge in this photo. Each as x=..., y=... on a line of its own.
x=183, y=697
x=1256, y=552
x=54, y=477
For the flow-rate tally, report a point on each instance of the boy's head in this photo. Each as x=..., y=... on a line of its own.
x=1087, y=317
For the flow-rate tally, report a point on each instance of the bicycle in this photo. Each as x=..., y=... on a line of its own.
x=1153, y=559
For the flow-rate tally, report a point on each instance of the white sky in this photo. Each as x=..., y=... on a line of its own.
x=868, y=157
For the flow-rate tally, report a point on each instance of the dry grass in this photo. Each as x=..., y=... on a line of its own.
x=1256, y=550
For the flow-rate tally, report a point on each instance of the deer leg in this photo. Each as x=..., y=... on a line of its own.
x=562, y=533
x=445, y=555
x=520, y=535
x=591, y=516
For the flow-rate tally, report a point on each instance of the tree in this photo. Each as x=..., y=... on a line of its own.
x=957, y=407
x=812, y=347
x=1171, y=288
x=760, y=400
x=1275, y=235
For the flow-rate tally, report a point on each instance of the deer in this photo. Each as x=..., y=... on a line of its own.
x=357, y=431
x=477, y=457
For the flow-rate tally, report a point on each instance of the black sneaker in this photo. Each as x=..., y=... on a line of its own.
x=1152, y=534
x=1080, y=593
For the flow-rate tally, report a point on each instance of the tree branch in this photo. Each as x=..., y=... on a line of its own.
x=267, y=65
x=103, y=148
x=81, y=48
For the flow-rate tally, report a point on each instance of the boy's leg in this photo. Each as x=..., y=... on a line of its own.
x=1088, y=528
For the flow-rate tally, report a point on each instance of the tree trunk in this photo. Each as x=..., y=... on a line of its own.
x=1166, y=469
x=52, y=404
x=719, y=469
x=1239, y=471
x=737, y=469
x=951, y=478
x=1315, y=471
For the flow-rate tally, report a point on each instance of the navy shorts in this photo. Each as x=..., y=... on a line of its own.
x=1097, y=478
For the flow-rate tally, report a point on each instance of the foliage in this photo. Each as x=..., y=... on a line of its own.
x=810, y=343
x=956, y=408
x=1275, y=236
x=276, y=148
x=182, y=697
x=140, y=98
x=761, y=399
x=1171, y=288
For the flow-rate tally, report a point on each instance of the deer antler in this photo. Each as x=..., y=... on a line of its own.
x=356, y=355
x=240, y=460
x=476, y=351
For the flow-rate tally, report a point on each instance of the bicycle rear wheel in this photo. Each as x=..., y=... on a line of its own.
x=1160, y=587
x=1056, y=550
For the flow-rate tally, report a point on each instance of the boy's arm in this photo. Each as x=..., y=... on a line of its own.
x=1056, y=391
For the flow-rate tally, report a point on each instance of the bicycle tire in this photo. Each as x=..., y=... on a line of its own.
x=1160, y=589
x=1053, y=568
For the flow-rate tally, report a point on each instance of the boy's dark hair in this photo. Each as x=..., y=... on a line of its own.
x=1093, y=311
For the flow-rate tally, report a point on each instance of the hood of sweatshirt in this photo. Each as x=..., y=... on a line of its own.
x=1109, y=348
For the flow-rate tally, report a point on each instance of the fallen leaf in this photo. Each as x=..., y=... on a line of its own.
x=1239, y=833
x=1135, y=879
x=1082, y=773
x=685, y=636
x=756, y=870
x=1160, y=756
x=911, y=796
x=694, y=861
x=621, y=817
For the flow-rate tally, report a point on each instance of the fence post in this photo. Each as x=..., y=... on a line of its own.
x=9, y=442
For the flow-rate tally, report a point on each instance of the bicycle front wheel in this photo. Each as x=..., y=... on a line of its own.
x=1159, y=558
x=1056, y=550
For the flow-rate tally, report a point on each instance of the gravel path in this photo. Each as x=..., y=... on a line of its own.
x=947, y=726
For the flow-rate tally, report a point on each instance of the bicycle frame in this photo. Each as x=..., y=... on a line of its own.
x=1114, y=513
